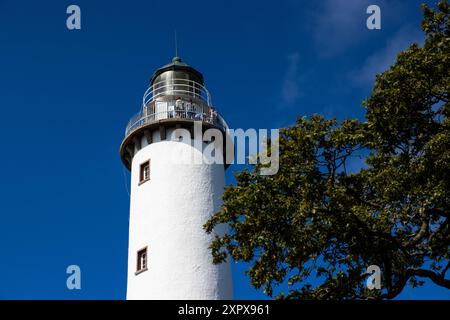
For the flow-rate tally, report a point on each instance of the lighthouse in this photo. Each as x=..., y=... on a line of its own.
x=172, y=196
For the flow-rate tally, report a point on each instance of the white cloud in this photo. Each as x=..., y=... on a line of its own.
x=290, y=90
x=384, y=58
x=339, y=25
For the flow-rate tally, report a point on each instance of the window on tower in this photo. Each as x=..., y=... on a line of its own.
x=144, y=174
x=141, y=260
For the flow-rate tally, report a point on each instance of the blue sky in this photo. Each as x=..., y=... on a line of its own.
x=66, y=97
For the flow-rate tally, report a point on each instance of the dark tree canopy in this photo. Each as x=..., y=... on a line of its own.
x=317, y=226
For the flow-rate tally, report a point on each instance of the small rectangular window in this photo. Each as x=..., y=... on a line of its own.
x=141, y=260
x=144, y=174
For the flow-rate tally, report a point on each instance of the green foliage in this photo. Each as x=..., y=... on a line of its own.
x=316, y=220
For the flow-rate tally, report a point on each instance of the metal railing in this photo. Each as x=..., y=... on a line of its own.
x=174, y=87
x=161, y=110
x=176, y=99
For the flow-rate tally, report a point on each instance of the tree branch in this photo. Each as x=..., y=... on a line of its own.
x=445, y=269
x=435, y=277
x=421, y=233
x=403, y=279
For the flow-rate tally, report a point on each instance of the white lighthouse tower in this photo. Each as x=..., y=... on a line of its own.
x=168, y=255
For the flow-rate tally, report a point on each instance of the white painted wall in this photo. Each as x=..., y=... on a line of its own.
x=166, y=215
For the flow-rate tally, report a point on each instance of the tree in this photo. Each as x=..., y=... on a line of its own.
x=317, y=226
